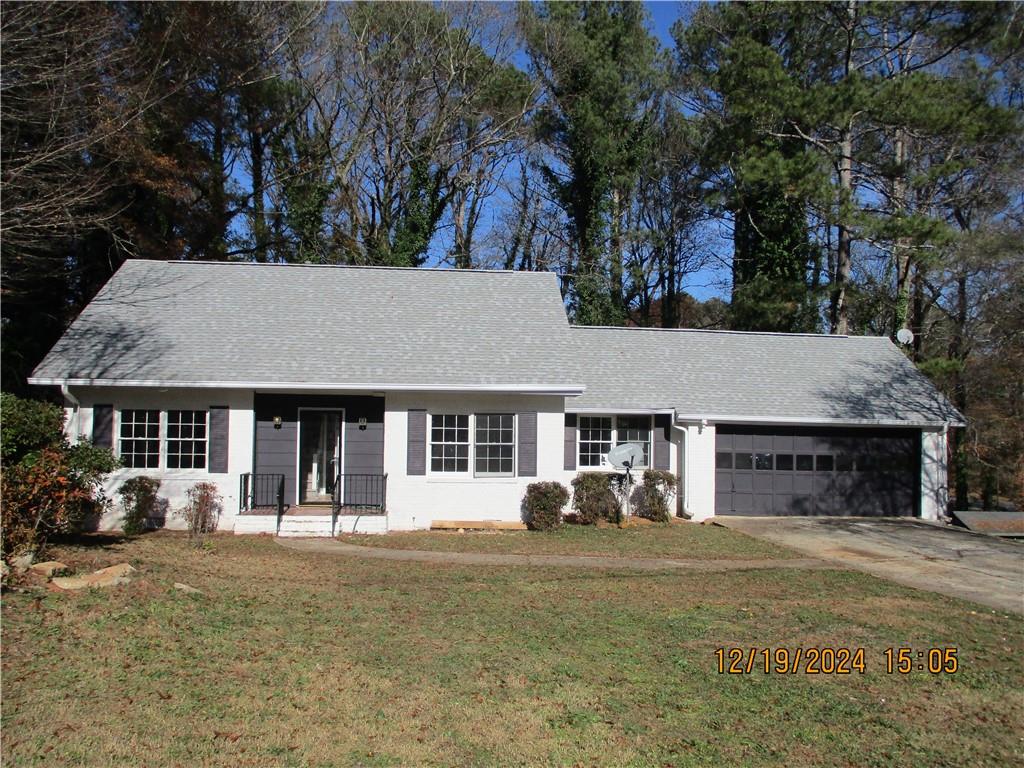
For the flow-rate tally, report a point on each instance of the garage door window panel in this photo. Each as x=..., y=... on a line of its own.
x=744, y=461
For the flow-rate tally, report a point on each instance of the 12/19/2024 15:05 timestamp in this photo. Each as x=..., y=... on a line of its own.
x=833, y=661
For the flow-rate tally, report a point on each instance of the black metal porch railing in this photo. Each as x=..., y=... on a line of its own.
x=361, y=493
x=259, y=491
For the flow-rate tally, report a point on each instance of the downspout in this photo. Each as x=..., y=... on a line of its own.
x=684, y=476
x=74, y=421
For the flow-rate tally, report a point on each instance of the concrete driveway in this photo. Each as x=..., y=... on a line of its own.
x=950, y=561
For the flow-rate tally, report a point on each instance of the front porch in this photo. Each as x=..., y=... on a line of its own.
x=358, y=504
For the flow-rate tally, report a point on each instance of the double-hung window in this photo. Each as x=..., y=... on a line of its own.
x=595, y=439
x=598, y=434
x=490, y=453
x=449, y=442
x=495, y=441
x=139, y=438
x=186, y=439
x=635, y=429
x=183, y=436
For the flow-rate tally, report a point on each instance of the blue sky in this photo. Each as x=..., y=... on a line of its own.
x=712, y=281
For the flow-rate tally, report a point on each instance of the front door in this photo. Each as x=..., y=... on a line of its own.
x=319, y=455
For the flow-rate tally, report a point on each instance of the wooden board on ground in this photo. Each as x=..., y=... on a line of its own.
x=476, y=525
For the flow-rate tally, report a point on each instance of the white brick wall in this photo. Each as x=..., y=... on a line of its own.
x=174, y=482
x=934, y=474
x=415, y=501
x=699, y=471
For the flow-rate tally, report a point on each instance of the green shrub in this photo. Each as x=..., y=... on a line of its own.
x=544, y=503
x=140, y=503
x=203, y=509
x=651, y=499
x=27, y=426
x=50, y=491
x=593, y=497
x=48, y=486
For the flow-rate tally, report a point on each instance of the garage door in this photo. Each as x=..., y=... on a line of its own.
x=776, y=471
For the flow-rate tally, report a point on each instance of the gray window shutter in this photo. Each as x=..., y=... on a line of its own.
x=103, y=426
x=570, y=441
x=528, y=444
x=416, y=453
x=662, y=436
x=218, y=460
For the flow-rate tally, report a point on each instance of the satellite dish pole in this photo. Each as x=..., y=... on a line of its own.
x=626, y=456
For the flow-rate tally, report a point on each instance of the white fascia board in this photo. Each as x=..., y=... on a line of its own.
x=810, y=421
x=521, y=389
x=621, y=411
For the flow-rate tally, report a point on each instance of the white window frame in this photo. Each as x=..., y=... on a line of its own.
x=615, y=439
x=580, y=441
x=470, y=471
x=167, y=439
x=650, y=436
x=469, y=445
x=159, y=436
x=514, y=444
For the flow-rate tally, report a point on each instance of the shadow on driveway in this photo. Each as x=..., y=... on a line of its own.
x=943, y=559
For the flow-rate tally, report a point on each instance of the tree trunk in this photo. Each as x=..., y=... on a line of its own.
x=615, y=254
x=958, y=353
x=463, y=260
x=218, y=193
x=917, y=323
x=256, y=152
x=840, y=312
x=901, y=251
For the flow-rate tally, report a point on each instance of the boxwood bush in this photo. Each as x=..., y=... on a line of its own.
x=594, y=498
x=138, y=495
x=544, y=503
x=651, y=499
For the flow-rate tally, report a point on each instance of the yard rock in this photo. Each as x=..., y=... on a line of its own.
x=186, y=588
x=114, y=576
x=48, y=568
x=21, y=563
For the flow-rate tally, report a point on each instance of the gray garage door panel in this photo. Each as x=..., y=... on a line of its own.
x=792, y=471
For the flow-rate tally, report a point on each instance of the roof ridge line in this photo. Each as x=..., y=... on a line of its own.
x=446, y=270
x=717, y=330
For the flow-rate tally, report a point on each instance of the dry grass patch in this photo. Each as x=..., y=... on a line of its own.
x=295, y=659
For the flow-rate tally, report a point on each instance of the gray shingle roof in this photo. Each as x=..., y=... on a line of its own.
x=250, y=325
x=222, y=323
x=753, y=376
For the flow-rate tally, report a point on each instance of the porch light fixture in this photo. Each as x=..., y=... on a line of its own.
x=277, y=422
x=362, y=423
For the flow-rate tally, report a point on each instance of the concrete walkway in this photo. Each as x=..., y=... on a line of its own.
x=334, y=547
x=937, y=558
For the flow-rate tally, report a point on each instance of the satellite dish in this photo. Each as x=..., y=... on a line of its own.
x=626, y=456
x=904, y=336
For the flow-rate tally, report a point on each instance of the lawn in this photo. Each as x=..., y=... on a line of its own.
x=298, y=659
x=674, y=540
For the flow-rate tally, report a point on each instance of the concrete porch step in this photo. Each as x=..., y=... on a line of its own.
x=311, y=526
